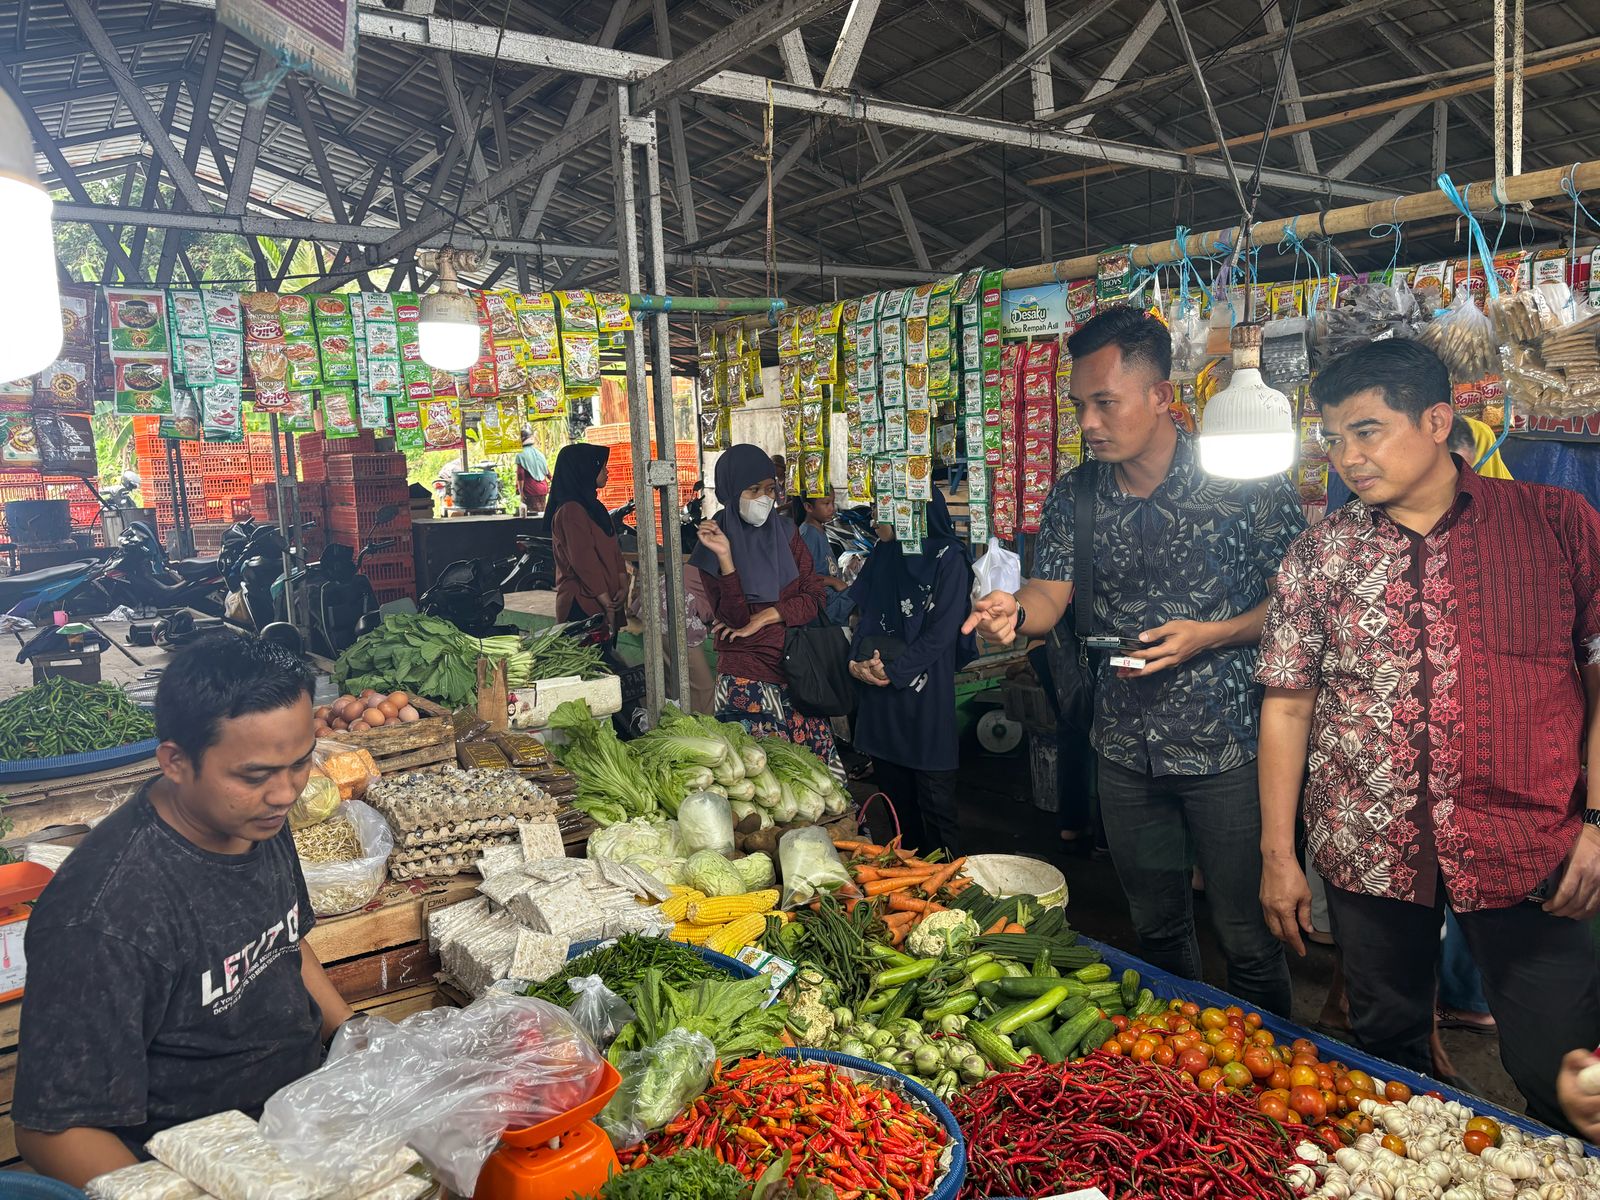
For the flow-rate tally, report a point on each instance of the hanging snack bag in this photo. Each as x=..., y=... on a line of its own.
x=339, y=413
x=580, y=361
x=66, y=443
x=1463, y=338
x=222, y=413
x=66, y=384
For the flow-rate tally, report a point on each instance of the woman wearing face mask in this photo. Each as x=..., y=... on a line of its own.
x=590, y=574
x=906, y=651
x=760, y=581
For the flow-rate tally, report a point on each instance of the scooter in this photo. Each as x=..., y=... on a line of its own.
x=138, y=574
x=470, y=595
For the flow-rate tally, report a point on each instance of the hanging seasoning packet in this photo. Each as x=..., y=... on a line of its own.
x=143, y=385
x=339, y=413
x=546, y=396
x=373, y=411
x=299, y=415
x=66, y=443
x=137, y=321
x=613, y=318
x=77, y=316
x=483, y=381
x=300, y=342
x=66, y=385
x=441, y=425
x=580, y=362
x=222, y=413
x=408, y=426
x=182, y=423
x=336, y=336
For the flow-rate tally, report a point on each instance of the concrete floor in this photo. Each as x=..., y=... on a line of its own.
x=115, y=667
x=998, y=816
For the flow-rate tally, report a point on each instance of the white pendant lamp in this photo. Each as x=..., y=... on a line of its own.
x=30, y=300
x=447, y=324
x=1248, y=430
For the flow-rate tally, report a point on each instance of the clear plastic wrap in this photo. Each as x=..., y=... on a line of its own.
x=599, y=1011
x=1190, y=331
x=446, y=1082
x=658, y=1083
x=810, y=865
x=1367, y=312
x=705, y=822
x=1463, y=338
x=339, y=887
x=998, y=570
x=142, y=1181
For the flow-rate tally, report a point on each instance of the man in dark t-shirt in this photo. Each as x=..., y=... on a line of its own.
x=168, y=976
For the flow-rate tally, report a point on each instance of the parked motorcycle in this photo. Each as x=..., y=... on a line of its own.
x=138, y=574
x=534, y=567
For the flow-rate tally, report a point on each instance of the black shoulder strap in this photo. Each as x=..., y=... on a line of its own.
x=1083, y=494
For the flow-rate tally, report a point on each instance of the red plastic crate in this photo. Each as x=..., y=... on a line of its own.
x=389, y=574
x=404, y=592
x=347, y=467
x=368, y=495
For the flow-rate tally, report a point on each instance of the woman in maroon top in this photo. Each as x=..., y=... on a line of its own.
x=591, y=577
x=758, y=576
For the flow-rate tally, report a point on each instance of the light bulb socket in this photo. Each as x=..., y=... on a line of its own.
x=452, y=307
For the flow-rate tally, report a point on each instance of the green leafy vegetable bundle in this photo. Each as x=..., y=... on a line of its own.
x=623, y=965
x=63, y=716
x=612, y=784
x=728, y=1011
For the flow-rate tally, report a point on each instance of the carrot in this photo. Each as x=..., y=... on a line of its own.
x=882, y=887
x=956, y=886
x=866, y=874
x=896, y=920
x=945, y=874
x=998, y=927
x=1013, y=927
x=905, y=872
x=859, y=847
x=902, y=903
x=897, y=936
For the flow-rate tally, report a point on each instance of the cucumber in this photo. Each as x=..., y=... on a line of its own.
x=1095, y=1038
x=1037, y=1035
x=988, y=989
x=1094, y=973
x=1130, y=987
x=1147, y=1005
x=1032, y=1010
x=1030, y=988
x=1071, y=1007
x=989, y=1044
x=1104, y=991
x=1077, y=1026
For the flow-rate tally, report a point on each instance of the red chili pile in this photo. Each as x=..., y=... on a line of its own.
x=865, y=1141
x=1130, y=1128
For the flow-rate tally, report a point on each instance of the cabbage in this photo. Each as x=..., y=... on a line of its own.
x=808, y=805
x=705, y=822
x=756, y=871
x=713, y=874
x=629, y=841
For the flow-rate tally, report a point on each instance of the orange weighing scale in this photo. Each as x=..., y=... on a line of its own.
x=562, y=1156
x=20, y=885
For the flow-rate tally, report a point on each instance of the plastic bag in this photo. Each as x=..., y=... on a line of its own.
x=1463, y=338
x=810, y=865
x=447, y=1082
x=316, y=802
x=142, y=1181
x=351, y=767
x=999, y=570
x=705, y=822
x=599, y=1011
x=658, y=1083
x=339, y=887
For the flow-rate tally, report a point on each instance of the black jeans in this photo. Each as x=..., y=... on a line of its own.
x=1158, y=829
x=1539, y=974
x=925, y=802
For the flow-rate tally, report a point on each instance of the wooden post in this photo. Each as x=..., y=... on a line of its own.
x=493, y=695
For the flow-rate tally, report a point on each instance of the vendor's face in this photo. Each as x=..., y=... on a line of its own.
x=241, y=790
x=603, y=478
x=1380, y=452
x=767, y=488
x=1120, y=404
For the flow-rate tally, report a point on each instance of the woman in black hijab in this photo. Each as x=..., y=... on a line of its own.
x=590, y=574
x=759, y=578
x=907, y=648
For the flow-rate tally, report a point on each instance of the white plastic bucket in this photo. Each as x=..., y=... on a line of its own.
x=1013, y=875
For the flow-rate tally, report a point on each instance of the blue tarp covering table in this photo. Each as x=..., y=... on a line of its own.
x=1172, y=987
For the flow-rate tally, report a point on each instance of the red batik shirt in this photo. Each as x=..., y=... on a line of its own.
x=1449, y=716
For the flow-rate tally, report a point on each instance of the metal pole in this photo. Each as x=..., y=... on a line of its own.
x=665, y=470
x=283, y=489
x=626, y=131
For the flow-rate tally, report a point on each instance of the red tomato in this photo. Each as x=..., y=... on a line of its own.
x=1301, y=1075
x=1272, y=1105
x=1112, y=1047
x=1225, y=1051
x=1252, y=1020
x=1142, y=1049
x=1165, y=1055
x=1476, y=1141
x=1236, y=1075
x=1257, y=1061
x=1390, y=1142
x=1304, y=1046
x=1120, y=1022
x=1210, y=1079
x=1308, y=1102
x=1280, y=1076
x=1396, y=1091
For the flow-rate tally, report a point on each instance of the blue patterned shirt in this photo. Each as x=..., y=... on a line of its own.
x=1200, y=548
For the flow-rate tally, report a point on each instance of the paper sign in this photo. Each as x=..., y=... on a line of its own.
x=1035, y=311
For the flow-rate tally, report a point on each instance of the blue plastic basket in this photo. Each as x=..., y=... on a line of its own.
x=950, y=1185
x=22, y=770
x=732, y=966
x=1174, y=987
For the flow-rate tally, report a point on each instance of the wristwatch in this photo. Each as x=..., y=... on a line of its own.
x=1591, y=816
x=1022, y=619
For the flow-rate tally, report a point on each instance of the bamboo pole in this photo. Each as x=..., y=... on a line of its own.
x=1377, y=108
x=1480, y=197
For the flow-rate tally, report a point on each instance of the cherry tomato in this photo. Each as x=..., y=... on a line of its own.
x=1293, y=1118
x=1487, y=1126
x=1396, y=1091
x=1356, y=1095
x=1120, y=1022
x=1392, y=1143
x=1299, y=1058
x=1330, y=1137
x=1165, y=1055
x=1252, y=1021
x=1263, y=1037
x=1257, y=1061
x=1194, y=1061
x=1476, y=1141
x=1236, y=1075
x=1182, y=1041
x=1272, y=1105
x=1188, y=1008
x=1112, y=1047
x=1127, y=1038
x=1232, y=1011
x=1308, y=1102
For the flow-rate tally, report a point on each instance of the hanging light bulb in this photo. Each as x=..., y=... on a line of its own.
x=1248, y=429
x=447, y=323
x=30, y=300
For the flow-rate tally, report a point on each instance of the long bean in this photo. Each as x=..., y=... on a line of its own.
x=63, y=716
x=624, y=963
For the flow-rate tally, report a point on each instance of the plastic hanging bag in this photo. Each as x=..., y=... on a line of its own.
x=810, y=865
x=705, y=822
x=1463, y=338
x=599, y=1011
x=658, y=1083
x=999, y=570
x=350, y=766
x=340, y=887
x=447, y=1082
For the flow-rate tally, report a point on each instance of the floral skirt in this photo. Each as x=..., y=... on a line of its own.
x=764, y=709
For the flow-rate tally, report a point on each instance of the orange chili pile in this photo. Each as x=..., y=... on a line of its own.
x=1130, y=1128
x=864, y=1141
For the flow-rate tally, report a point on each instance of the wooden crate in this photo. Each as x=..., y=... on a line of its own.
x=397, y=917
x=424, y=743
x=10, y=1024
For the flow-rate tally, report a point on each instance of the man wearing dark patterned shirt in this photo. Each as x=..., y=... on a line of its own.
x=1181, y=561
x=1430, y=662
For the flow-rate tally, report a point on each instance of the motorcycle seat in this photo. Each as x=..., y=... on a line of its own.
x=194, y=568
x=16, y=588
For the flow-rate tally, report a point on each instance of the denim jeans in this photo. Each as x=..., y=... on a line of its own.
x=1460, y=984
x=1158, y=830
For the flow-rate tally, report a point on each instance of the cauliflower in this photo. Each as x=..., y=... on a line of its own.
x=811, y=1017
x=943, y=933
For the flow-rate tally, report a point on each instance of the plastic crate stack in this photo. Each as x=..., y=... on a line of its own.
x=314, y=450
x=217, y=476
x=619, y=468
x=358, y=486
x=312, y=497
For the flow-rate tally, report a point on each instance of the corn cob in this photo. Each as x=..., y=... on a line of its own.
x=678, y=907
x=683, y=889
x=695, y=935
x=737, y=933
x=725, y=908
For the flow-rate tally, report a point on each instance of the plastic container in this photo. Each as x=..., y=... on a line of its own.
x=1013, y=875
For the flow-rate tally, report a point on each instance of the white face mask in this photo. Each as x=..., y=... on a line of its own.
x=756, y=512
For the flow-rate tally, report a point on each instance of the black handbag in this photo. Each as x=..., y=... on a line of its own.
x=816, y=668
x=1073, y=669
